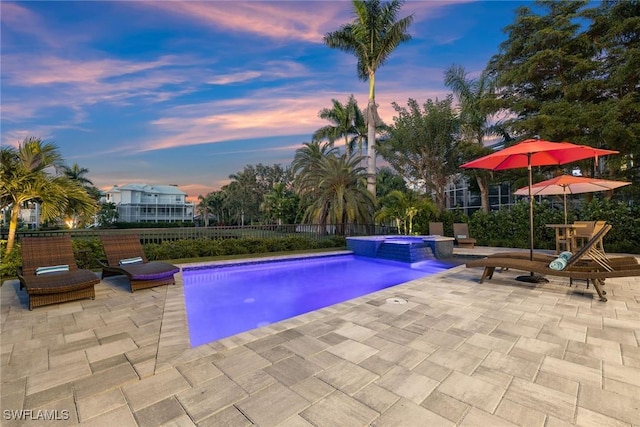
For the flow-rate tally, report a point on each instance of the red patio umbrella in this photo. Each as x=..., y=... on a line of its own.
x=569, y=184
x=535, y=152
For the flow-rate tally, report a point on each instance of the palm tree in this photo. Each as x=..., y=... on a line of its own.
x=77, y=174
x=402, y=207
x=335, y=187
x=27, y=175
x=203, y=208
x=343, y=119
x=360, y=131
x=217, y=204
x=371, y=37
x=277, y=202
x=307, y=159
x=474, y=97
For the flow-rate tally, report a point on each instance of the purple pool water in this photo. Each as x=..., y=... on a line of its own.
x=225, y=301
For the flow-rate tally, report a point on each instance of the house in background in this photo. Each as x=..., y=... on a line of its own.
x=150, y=203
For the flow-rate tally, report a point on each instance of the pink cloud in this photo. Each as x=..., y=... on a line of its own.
x=278, y=20
x=287, y=20
x=22, y=22
x=47, y=70
x=264, y=114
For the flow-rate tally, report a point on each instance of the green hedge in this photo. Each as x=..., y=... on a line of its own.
x=88, y=251
x=510, y=227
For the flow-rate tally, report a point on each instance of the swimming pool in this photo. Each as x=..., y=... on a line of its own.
x=226, y=300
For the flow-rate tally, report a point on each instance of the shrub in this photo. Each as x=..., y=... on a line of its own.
x=9, y=263
x=87, y=252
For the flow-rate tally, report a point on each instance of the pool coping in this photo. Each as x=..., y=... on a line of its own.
x=261, y=260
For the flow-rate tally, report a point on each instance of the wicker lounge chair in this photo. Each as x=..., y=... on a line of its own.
x=436, y=229
x=125, y=256
x=68, y=283
x=461, y=234
x=588, y=263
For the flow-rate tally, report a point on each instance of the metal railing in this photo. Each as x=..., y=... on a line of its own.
x=158, y=235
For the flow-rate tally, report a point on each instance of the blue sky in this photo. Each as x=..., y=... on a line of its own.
x=186, y=93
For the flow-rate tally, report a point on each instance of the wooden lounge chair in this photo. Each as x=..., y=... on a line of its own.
x=436, y=229
x=125, y=256
x=588, y=263
x=593, y=253
x=461, y=234
x=68, y=283
x=595, y=249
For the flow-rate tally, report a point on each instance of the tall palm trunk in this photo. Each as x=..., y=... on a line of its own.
x=372, y=119
x=371, y=155
x=483, y=185
x=13, y=226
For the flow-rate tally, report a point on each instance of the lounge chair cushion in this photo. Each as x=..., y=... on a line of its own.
x=51, y=269
x=150, y=271
x=66, y=281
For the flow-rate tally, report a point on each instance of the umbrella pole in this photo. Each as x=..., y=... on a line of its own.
x=564, y=195
x=530, y=208
x=532, y=278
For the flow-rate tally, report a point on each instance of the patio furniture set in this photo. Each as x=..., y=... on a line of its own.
x=50, y=274
x=589, y=263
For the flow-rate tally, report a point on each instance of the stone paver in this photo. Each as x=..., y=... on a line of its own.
x=473, y=391
x=272, y=405
x=458, y=353
x=407, y=413
x=338, y=409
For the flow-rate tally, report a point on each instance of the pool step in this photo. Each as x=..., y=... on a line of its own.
x=405, y=252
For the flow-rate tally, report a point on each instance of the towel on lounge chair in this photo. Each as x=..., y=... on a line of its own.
x=566, y=255
x=129, y=261
x=558, y=264
x=52, y=269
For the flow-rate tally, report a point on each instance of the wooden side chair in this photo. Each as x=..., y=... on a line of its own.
x=461, y=234
x=436, y=229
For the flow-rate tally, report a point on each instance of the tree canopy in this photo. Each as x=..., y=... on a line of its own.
x=421, y=145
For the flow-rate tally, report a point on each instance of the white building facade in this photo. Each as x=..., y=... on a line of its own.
x=150, y=203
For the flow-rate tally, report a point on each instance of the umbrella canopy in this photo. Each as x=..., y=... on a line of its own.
x=569, y=184
x=535, y=152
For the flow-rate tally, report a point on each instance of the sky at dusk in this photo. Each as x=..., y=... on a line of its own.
x=187, y=93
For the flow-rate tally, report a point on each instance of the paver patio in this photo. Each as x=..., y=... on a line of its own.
x=503, y=353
